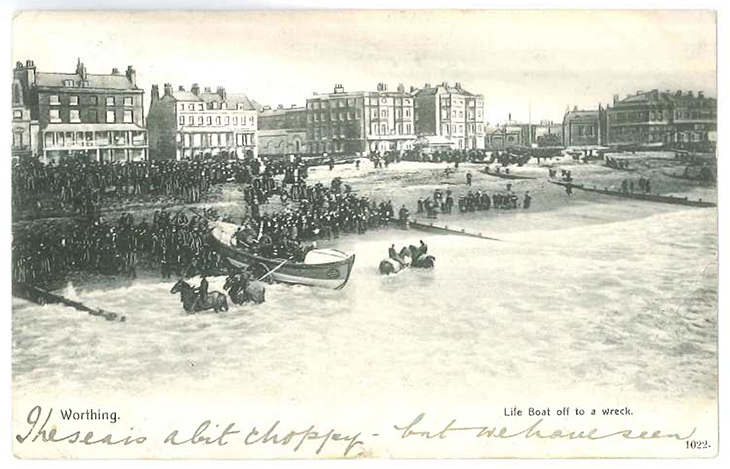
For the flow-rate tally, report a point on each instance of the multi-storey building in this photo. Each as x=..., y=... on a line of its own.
x=584, y=127
x=360, y=122
x=197, y=124
x=96, y=116
x=282, y=131
x=25, y=130
x=657, y=118
x=450, y=113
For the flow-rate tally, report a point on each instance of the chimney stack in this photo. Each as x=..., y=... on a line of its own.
x=132, y=75
x=690, y=93
x=221, y=92
x=401, y=88
x=81, y=69
x=155, y=93
x=615, y=99
x=700, y=94
x=678, y=93
x=180, y=88
x=195, y=89
x=168, y=89
x=115, y=71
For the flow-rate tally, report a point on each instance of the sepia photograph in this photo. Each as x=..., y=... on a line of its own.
x=364, y=234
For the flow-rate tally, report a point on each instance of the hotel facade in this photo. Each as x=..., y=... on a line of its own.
x=78, y=115
x=200, y=124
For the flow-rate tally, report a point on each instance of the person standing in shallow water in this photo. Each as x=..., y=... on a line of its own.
x=468, y=179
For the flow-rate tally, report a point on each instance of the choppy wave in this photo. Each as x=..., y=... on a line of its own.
x=626, y=303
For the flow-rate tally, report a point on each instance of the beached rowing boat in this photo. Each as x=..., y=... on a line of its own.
x=667, y=199
x=327, y=268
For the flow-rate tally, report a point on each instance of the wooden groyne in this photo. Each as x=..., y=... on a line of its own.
x=439, y=229
x=42, y=297
x=507, y=175
x=666, y=199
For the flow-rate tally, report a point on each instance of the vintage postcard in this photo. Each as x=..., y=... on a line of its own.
x=364, y=234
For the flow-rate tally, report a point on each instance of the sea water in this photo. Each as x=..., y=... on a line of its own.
x=618, y=296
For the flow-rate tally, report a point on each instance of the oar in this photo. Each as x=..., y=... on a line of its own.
x=273, y=270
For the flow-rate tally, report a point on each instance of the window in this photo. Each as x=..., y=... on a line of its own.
x=400, y=129
x=200, y=120
x=239, y=139
x=186, y=139
x=54, y=99
x=218, y=120
x=74, y=115
x=128, y=101
x=408, y=112
x=55, y=115
x=228, y=120
x=182, y=120
x=209, y=120
x=68, y=83
x=408, y=128
x=201, y=107
x=191, y=107
x=191, y=120
x=128, y=117
x=73, y=100
x=17, y=114
x=349, y=116
x=110, y=101
x=93, y=100
x=235, y=120
x=111, y=117
x=383, y=130
x=182, y=107
x=342, y=116
x=250, y=120
x=93, y=117
x=384, y=113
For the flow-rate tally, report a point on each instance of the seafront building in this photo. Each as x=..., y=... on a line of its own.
x=198, y=124
x=584, y=128
x=360, y=122
x=282, y=131
x=662, y=117
x=77, y=115
x=449, y=117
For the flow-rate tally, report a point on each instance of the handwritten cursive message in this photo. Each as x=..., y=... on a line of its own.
x=43, y=427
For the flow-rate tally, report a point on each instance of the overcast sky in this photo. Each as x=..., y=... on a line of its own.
x=545, y=60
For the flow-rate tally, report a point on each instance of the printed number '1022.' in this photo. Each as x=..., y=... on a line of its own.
x=697, y=444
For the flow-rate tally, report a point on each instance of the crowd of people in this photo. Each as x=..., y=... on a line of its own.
x=81, y=186
x=323, y=212
x=174, y=243
x=644, y=185
x=478, y=200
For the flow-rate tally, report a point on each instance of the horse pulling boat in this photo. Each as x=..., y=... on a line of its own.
x=327, y=268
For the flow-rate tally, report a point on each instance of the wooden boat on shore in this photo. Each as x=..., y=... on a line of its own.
x=506, y=175
x=327, y=268
x=667, y=199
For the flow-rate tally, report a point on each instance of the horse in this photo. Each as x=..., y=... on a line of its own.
x=243, y=291
x=193, y=304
